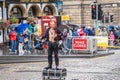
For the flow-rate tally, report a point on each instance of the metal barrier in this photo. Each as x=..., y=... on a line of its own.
x=102, y=42
x=85, y=44
x=114, y=44
x=89, y=44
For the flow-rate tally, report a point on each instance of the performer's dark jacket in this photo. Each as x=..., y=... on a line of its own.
x=57, y=31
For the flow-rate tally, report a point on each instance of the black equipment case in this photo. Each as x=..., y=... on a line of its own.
x=57, y=74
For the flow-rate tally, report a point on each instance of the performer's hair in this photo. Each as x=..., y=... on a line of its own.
x=52, y=22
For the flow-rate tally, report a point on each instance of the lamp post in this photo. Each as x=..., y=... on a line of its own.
x=2, y=27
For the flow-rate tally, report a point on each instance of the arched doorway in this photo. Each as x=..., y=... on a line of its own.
x=48, y=10
x=34, y=11
x=16, y=12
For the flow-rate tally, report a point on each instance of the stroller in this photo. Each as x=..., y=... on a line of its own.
x=38, y=44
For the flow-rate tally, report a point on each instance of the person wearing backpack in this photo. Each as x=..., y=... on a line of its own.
x=81, y=32
x=75, y=33
x=64, y=40
x=69, y=39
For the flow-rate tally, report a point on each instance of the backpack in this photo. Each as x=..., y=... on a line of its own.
x=64, y=35
x=75, y=33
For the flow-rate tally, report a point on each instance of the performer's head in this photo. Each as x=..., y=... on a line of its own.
x=52, y=24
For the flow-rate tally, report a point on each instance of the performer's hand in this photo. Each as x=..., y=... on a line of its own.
x=60, y=42
x=40, y=37
x=43, y=40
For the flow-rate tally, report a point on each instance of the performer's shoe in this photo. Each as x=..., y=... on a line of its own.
x=49, y=67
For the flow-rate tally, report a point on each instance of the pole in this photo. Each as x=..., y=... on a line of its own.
x=3, y=40
x=4, y=10
x=4, y=14
x=96, y=16
x=95, y=24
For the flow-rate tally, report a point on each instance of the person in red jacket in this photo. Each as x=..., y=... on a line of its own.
x=13, y=36
x=81, y=32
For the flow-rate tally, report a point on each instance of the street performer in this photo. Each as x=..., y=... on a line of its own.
x=53, y=35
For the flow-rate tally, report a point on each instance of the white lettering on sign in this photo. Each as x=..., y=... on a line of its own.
x=79, y=44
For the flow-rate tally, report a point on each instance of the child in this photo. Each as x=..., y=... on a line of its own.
x=27, y=40
x=21, y=42
x=112, y=38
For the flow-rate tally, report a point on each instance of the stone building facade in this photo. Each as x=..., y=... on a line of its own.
x=34, y=8
x=80, y=13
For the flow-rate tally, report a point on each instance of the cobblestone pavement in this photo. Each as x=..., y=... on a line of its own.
x=101, y=68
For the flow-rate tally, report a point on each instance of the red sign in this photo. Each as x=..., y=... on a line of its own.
x=79, y=44
x=45, y=20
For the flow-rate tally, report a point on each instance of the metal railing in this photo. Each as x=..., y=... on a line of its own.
x=85, y=44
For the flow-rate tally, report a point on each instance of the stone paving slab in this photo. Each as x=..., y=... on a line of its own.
x=100, y=68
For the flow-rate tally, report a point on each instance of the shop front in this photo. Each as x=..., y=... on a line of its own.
x=31, y=8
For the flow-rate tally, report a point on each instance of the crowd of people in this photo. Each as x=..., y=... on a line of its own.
x=21, y=41
x=111, y=32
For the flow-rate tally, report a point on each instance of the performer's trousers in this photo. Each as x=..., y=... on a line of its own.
x=53, y=48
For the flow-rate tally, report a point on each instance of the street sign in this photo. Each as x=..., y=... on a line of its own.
x=79, y=44
x=65, y=18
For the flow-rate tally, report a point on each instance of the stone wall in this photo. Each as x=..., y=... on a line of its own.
x=79, y=11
